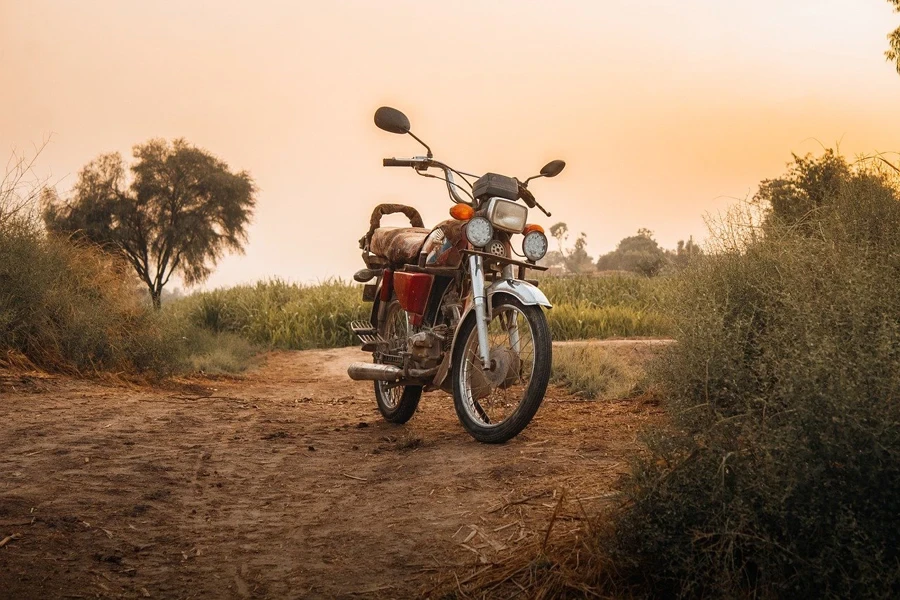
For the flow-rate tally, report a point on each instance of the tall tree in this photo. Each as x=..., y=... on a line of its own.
x=179, y=211
x=639, y=253
x=893, y=54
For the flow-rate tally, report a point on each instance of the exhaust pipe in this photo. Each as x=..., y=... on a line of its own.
x=361, y=371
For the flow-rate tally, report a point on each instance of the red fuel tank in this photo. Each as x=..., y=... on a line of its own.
x=412, y=291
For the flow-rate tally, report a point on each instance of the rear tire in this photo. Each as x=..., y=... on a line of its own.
x=397, y=404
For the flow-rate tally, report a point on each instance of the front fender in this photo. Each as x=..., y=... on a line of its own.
x=522, y=291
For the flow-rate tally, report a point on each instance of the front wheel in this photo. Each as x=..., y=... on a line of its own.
x=496, y=404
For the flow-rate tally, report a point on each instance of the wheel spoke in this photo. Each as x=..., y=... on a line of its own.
x=396, y=331
x=493, y=396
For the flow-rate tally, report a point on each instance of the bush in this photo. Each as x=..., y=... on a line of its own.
x=74, y=309
x=780, y=474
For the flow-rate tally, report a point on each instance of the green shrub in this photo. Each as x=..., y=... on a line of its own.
x=780, y=474
x=279, y=314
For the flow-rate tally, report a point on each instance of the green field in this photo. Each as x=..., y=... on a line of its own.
x=279, y=314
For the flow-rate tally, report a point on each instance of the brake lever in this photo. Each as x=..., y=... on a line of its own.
x=526, y=195
x=544, y=210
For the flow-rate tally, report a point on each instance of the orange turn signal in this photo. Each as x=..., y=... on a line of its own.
x=532, y=227
x=462, y=212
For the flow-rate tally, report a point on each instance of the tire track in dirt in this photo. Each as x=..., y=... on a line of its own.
x=283, y=483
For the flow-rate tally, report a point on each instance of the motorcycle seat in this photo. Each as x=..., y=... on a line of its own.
x=399, y=245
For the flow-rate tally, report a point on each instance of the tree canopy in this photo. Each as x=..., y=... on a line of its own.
x=809, y=184
x=639, y=253
x=807, y=193
x=179, y=211
x=893, y=54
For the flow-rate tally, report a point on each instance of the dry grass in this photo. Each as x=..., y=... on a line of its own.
x=600, y=372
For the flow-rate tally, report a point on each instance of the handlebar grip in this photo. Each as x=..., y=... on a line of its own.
x=526, y=195
x=398, y=162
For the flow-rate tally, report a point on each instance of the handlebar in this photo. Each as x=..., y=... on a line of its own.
x=400, y=162
x=421, y=163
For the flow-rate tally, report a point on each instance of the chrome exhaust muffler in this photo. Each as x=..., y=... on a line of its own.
x=361, y=371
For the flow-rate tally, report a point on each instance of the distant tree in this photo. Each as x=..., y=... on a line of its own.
x=560, y=231
x=552, y=258
x=893, y=54
x=180, y=211
x=578, y=260
x=810, y=184
x=684, y=253
x=639, y=253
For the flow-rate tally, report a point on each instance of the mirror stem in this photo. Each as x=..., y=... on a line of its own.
x=525, y=183
x=429, y=154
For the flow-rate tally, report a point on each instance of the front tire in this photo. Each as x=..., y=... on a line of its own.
x=495, y=406
x=396, y=403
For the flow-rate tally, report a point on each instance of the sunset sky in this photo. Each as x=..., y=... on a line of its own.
x=664, y=111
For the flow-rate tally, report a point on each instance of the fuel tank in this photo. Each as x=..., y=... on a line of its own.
x=443, y=245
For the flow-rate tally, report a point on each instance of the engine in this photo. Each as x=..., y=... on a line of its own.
x=426, y=348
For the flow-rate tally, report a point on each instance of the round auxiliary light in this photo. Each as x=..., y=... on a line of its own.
x=479, y=231
x=534, y=246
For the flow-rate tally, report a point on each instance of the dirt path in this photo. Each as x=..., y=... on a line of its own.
x=283, y=484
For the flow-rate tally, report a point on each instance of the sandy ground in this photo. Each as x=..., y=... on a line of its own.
x=285, y=483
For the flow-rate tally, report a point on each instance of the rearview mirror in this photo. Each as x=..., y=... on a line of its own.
x=391, y=120
x=553, y=168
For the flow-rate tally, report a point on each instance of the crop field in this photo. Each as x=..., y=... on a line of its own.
x=278, y=314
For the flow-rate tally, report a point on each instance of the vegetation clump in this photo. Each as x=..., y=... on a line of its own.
x=593, y=371
x=179, y=212
x=780, y=474
x=67, y=306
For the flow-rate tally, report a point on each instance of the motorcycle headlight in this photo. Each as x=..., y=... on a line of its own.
x=534, y=246
x=506, y=215
x=479, y=231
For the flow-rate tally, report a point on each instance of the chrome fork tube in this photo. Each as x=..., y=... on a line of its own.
x=512, y=328
x=476, y=270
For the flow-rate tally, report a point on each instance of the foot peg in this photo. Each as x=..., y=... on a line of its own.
x=367, y=334
x=364, y=275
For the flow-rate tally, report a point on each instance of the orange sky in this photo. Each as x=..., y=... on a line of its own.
x=663, y=110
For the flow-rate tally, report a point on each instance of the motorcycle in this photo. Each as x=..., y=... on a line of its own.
x=451, y=308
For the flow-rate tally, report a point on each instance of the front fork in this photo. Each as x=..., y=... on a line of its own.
x=476, y=270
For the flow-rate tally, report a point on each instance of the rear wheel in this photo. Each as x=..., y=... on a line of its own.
x=495, y=405
x=396, y=403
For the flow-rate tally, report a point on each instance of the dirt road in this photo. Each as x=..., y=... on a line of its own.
x=285, y=483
